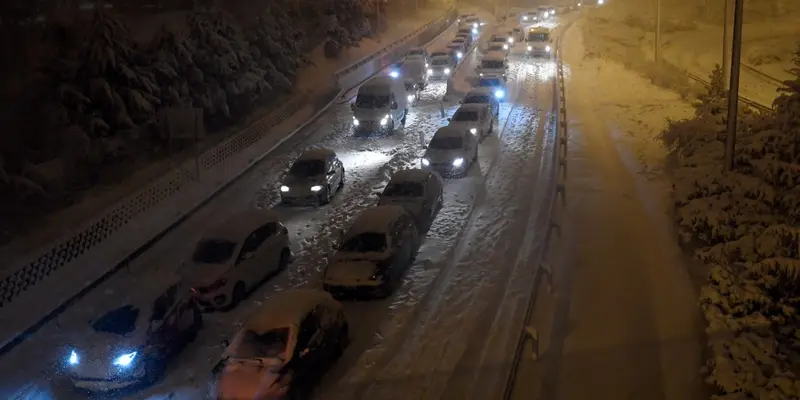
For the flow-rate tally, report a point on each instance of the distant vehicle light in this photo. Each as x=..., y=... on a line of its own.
x=505, y=47
x=600, y=1
x=394, y=74
x=530, y=48
x=447, y=71
x=125, y=359
x=473, y=131
x=499, y=94
x=475, y=25
x=459, y=55
x=430, y=71
x=474, y=31
x=525, y=18
x=410, y=97
x=547, y=49
x=426, y=162
x=316, y=188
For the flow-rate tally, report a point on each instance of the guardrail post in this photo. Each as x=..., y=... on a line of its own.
x=533, y=335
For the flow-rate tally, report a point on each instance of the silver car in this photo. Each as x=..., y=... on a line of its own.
x=314, y=178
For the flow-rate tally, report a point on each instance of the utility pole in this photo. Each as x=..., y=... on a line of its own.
x=733, y=94
x=657, y=55
x=726, y=60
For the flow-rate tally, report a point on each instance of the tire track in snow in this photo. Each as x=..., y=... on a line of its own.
x=356, y=383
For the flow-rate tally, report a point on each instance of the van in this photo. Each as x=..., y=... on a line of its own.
x=381, y=104
x=494, y=62
x=539, y=43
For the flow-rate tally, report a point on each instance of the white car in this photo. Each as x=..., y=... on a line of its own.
x=131, y=343
x=314, y=178
x=483, y=95
x=380, y=245
x=419, y=192
x=451, y=151
x=235, y=257
x=416, y=53
x=284, y=348
x=457, y=49
x=476, y=119
x=493, y=63
x=442, y=65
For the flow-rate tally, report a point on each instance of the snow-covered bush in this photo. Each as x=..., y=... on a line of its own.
x=744, y=224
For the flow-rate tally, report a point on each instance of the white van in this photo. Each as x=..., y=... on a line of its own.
x=494, y=62
x=539, y=42
x=381, y=104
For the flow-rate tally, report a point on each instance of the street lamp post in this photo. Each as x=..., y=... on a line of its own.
x=657, y=55
x=733, y=94
x=726, y=61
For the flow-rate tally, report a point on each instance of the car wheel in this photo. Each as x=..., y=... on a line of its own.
x=341, y=181
x=328, y=195
x=286, y=258
x=391, y=127
x=403, y=121
x=239, y=294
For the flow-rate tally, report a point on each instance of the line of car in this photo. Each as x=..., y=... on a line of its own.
x=294, y=336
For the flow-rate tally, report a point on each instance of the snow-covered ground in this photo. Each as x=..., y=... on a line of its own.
x=625, y=320
x=29, y=371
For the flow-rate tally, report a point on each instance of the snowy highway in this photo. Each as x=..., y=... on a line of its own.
x=442, y=334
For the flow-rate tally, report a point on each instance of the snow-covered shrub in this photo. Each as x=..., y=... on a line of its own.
x=744, y=224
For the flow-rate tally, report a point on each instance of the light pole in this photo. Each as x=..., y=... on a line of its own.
x=733, y=94
x=657, y=55
x=726, y=60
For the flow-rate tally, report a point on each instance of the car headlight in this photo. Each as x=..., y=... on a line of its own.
x=316, y=188
x=547, y=49
x=480, y=74
x=505, y=47
x=473, y=131
x=284, y=189
x=459, y=54
x=384, y=121
x=394, y=74
x=73, y=359
x=499, y=94
x=125, y=359
x=599, y=1
x=530, y=48
x=426, y=162
x=475, y=25
x=458, y=162
x=474, y=31
x=525, y=18
x=447, y=71
x=511, y=40
x=356, y=122
x=430, y=70
x=410, y=97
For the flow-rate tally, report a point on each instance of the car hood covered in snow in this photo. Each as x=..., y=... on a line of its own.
x=249, y=379
x=97, y=351
x=443, y=156
x=294, y=180
x=347, y=267
x=465, y=125
x=370, y=114
x=412, y=205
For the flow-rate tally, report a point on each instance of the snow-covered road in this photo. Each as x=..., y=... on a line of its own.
x=442, y=318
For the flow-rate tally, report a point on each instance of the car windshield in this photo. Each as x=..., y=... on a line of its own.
x=366, y=242
x=413, y=69
x=441, y=61
x=499, y=39
x=464, y=31
x=269, y=344
x=445, y=143
x=307, y=168
x=372, y=101
x=490, y=82
x=120, y=321
x=213, y=251
x=404, y=189
x=458, y=41
x=496, y=48
x=538, y=37
x=461, y=115
x=482, y=99
x=472, y=19
x=415, y=52
x=492, y=64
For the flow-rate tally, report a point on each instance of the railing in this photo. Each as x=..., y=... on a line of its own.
x=560, y=163
x=74, y=245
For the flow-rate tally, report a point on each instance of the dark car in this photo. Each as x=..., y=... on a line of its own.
x=131, y=344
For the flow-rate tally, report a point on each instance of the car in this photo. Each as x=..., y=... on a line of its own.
x=441, y=66
x=477, y=119
x=451, y=151
x=544, y=13
x=418, y=53
x=235, y=256
x=499, y=43
x=457, y=49
x=528, y=17
x=131, y=343
x=474, y=21
x=467, y=37
x=496, y=83
x=419, y=192
x=518, y=34
x=370, y=260
x=284, y=348
x=483, y=95
x=463, y=17
x=494, y=62
x=539, y=42
x=314, y=178
x=415, y=76
x=467, y=32
x=381, y=104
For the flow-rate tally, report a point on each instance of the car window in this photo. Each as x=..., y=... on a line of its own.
x=120, y=321
x=365, y=242
x=255, y=240
x=465, y=115
x=445, y=143
x=404, y=189
x=213, y=251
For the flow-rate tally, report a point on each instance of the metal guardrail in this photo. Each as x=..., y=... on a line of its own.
x=750, y=103
x=559, y=189
x=765, y=77
x=71, y=247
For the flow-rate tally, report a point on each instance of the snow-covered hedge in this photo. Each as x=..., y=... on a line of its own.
x=745, y=226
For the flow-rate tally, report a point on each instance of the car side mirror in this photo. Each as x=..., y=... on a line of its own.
x=225, y=343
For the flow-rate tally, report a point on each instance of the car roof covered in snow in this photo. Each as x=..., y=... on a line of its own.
x=471, y=107
x=287, y=308
x=241, y=224
x=316, y=154
x=378, y=84
x=410, y=175
x=449, y=131
x=495, y=56
x=375, y=219
x=458, y=39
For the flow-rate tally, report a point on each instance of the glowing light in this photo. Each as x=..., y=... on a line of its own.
x=73, y=358
x=394, y=74
x=125, y=359
x=284, y=189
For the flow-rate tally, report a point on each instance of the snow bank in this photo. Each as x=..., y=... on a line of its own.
x=744, y=226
